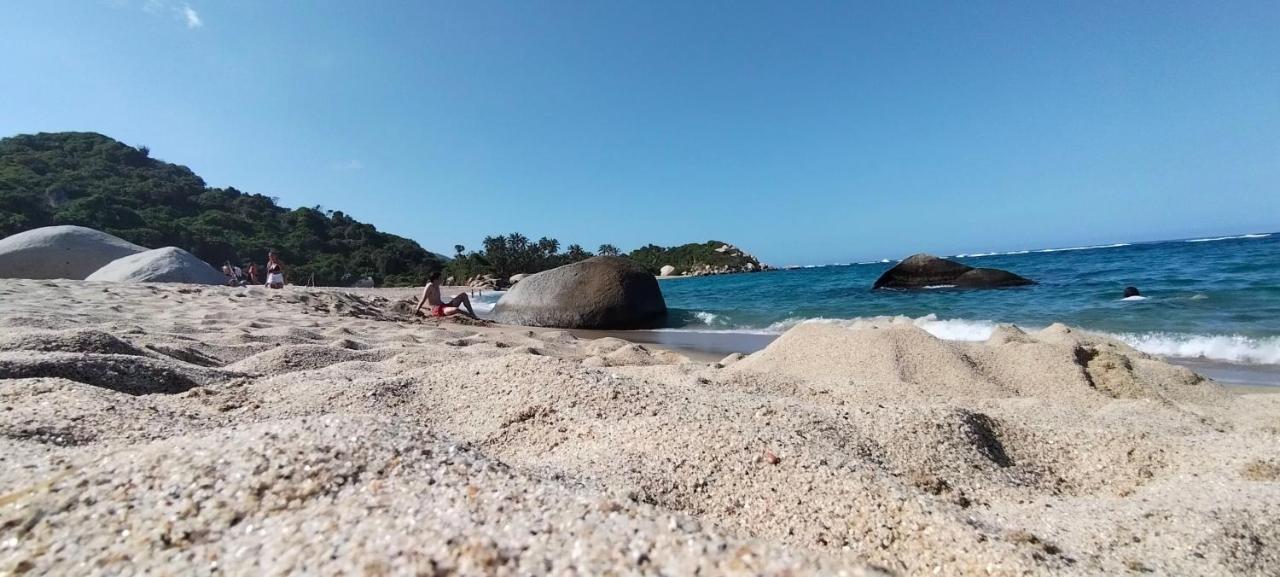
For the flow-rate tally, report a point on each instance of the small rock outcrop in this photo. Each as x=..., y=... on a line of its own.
x=486, y=282
x=70, y=252
x=603, y=292
x=168, y=264
x=924, y=270
x=667, y=270
x=515, y=278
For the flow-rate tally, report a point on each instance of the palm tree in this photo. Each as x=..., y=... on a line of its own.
x=608, y=250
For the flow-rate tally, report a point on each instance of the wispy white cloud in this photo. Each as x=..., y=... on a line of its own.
x=353, y=164
x=181, y=12
x=193, y=17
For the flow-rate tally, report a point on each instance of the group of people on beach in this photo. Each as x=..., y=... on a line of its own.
x=431, y=297
x=249, y=275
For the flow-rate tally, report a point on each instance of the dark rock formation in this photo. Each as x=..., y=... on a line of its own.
x=923, y=270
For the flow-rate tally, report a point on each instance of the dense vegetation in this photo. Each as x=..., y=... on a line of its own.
x=688, y=257
x=504, y=256
x=91, y=180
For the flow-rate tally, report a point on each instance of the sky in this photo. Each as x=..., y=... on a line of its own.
x=805, y=133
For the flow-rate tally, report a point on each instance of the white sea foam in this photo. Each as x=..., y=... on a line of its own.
x=1230, y=237
x=1230, y=348
x=486, y=301
x=1116, y=245
x=976, y=255
x=1134, y=298
x=706, y=317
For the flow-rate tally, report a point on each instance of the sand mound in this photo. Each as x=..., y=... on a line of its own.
x=69, y=341
x=900, y=360
x=123, y=373
x=166, y=264
x=63, y=413
x=71, y=252
x=291, y=358
x=330, y=496
x=614, y=352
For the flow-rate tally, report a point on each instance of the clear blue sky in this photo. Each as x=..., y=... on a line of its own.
x=814, y=133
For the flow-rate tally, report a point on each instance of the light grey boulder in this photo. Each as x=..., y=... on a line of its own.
x=515, y=278
x=603, y=292
x=65, y=251
x=667, y=270
x=168, y=264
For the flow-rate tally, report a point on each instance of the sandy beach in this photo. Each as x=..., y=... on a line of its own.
x=182, y=429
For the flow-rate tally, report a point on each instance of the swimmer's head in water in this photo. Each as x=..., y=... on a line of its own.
x=1131, y=291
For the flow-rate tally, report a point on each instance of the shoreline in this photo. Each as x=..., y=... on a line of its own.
x=711, y=346
x=829, y=452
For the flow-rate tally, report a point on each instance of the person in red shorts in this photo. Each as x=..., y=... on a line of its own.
x=440, y=308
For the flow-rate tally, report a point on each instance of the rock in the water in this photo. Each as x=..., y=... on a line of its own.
x=603, y=292
x=989, y=278
x=70, y=252
x=924, y=270
x=168, y=264
x=667, y=270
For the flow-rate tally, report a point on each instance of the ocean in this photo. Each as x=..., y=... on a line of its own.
x=1214, y=300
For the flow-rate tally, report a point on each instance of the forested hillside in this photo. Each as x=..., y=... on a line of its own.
x=91, y=180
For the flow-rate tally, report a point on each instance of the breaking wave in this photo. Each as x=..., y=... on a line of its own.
x=1228, y=348
x=1230, y=237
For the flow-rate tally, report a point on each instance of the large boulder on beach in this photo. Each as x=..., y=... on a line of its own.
x=70, y=252
x=603, y=292
x=924, y=270
x=667, y=270
x=168, y=264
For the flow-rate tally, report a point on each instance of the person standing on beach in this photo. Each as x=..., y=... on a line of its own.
x=439, y=308
x=275, y=271
x=253, y=273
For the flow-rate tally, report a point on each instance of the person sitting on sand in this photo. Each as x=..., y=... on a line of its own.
x=275, y=271
x=439, y=308
x=229, y=273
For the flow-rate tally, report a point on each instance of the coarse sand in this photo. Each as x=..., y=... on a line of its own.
x=182, y=429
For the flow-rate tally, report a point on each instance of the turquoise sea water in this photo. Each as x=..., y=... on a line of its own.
x=1216, y=299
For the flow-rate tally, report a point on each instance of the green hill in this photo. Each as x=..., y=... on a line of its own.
x=91, y=180
x=711, y=257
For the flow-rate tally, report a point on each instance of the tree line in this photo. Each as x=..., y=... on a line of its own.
x=91, y=180
x=503, y=256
